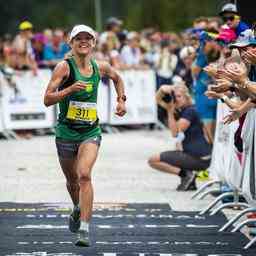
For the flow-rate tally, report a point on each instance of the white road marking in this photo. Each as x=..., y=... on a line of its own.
x=42, y=227
x=201, y=226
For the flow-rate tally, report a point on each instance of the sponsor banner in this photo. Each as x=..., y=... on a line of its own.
x=140, y=88
x=22, y=101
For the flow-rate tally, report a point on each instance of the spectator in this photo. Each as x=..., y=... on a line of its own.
x=7, y=49
x=206, y=108
x=131, y=53
x=108, y=52
x=214, y=24
x=231, y=17
x=22, y=50
x=113, y=28
x=151, y=56
x=55, y=50
x=38, y=42
x=186, y=127
x=200, y=23
x=166, y=64
x=183, y=70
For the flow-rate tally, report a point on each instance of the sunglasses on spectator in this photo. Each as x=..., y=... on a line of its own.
x=231, y=18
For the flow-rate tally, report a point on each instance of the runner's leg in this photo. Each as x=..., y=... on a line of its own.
x=87, y=155
x=69, y=166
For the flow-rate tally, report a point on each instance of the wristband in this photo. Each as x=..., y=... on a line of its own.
x=245, y=84
x=180, y=137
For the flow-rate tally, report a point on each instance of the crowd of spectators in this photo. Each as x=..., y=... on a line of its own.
x=222, y=67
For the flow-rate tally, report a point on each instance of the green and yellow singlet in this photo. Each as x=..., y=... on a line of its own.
x=78, y=118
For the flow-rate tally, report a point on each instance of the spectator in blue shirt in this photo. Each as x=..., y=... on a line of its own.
x=205, y=107
x=55, y=50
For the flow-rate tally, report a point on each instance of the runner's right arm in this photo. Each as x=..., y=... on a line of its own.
x=59, y=75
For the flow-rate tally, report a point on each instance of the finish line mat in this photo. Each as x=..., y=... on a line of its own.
x=116, y=230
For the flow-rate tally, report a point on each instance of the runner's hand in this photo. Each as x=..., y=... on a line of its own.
x=120, y=109
x=77, y=86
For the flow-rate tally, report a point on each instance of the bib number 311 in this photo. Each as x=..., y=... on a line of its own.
x=82, y=111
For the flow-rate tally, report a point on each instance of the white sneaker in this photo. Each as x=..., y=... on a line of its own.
x=82, y=238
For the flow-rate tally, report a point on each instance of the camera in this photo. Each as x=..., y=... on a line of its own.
x=169, y=97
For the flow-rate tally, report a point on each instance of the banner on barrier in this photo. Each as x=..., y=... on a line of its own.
x=223, y=144
x=140, y=88
x=22, y=102
x=2, y=81
x=248, y=136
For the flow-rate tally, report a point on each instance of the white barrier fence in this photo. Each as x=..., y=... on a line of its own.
x=228, y=165
x=21, y=105
x=235, y=168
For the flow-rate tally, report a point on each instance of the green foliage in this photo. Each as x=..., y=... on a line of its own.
x=167, y=15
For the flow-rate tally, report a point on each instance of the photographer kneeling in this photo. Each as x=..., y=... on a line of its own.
x=186, y=127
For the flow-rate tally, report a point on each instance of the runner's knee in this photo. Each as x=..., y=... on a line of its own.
x=84, y=178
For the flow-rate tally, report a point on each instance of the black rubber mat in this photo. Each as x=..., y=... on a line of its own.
x=116, y=230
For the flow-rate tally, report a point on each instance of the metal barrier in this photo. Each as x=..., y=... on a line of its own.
x=21, y=103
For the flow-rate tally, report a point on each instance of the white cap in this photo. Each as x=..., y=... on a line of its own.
x=81, y=28
x=228, y=8
x=187, y=51
x=131, y=35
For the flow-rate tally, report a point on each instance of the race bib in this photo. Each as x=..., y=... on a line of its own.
x=83, y=111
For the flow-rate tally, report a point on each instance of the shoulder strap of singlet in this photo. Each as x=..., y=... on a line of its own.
x=95, y=68
x=71, y=78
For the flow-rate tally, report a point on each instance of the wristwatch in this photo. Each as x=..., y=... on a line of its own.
x=224, y=98
x=123, y=98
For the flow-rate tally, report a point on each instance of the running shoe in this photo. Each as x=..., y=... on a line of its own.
x=82, y=238
x=203, y=175
x=187, y=182
x=74, y=220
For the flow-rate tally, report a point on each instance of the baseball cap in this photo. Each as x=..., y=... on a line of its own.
x=25, y=25
x=81, y=28
x=243, y=43
x=228, y=8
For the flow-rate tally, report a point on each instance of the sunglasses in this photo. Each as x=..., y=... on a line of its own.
x=227, y=18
